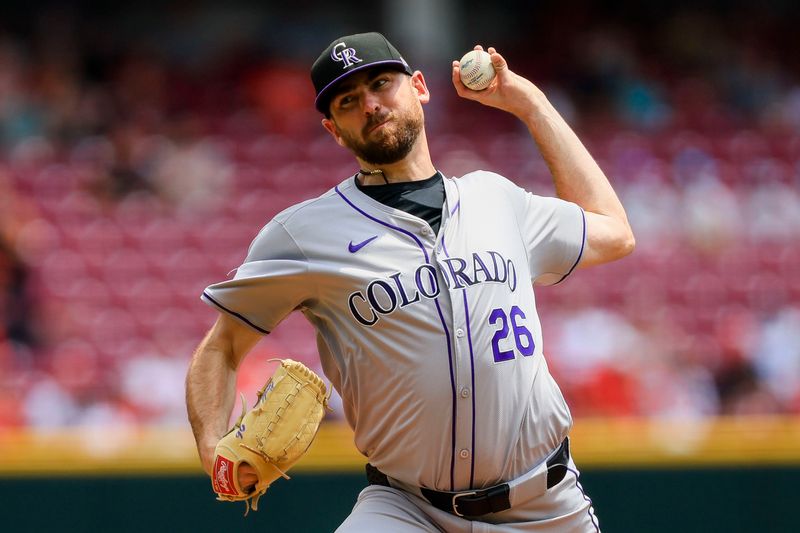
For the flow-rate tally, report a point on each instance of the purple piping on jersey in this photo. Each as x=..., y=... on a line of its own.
x=455, y=207
x=234, y=313
x=472, y=371
x=381, y=222
x=580, y=254
x=587, y=498
x=444, y=325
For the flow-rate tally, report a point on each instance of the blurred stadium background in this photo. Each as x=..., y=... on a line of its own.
x=142, y=148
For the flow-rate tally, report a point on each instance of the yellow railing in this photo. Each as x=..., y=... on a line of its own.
x=735, y=441
x=596, y=443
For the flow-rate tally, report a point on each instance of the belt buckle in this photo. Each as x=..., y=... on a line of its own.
x=461, y=495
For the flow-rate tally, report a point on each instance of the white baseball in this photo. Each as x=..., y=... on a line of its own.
x=477, y=71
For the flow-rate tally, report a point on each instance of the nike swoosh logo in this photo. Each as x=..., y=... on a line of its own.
x=356, y=247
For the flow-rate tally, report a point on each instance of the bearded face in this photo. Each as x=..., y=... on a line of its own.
x=391, y=141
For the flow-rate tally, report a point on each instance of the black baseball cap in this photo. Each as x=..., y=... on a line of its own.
x=349, y=54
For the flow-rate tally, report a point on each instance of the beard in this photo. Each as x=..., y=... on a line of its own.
x=388, y=146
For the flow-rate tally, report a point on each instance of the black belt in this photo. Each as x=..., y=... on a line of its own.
x=474, y=503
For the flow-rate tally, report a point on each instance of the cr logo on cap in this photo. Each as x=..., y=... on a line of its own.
x=346, y=55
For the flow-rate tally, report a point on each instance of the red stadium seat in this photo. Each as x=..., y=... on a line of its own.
x=59, y=269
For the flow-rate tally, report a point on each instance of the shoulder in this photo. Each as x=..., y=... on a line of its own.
x=494, y=189
x=486, y=184
x=482, y=177
x=298, y=224
x=321, y=203
x=324, y=211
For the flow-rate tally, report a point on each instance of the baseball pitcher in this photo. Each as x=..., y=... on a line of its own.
x=420, y=288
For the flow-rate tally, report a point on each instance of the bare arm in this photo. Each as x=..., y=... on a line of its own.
x=576, y=175
x=211, y=382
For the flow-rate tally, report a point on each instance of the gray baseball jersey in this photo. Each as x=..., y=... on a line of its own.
x=433, y=342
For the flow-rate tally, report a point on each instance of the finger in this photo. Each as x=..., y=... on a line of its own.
x=491, y=50
x=456, y=73
x=461, y=89
x=498, y=61
x=248, y=477
x=478, y=47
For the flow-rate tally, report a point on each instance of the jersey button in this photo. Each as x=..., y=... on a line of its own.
x=459, y=333
x=464, y=454
x=465, y=392
x=426, y=230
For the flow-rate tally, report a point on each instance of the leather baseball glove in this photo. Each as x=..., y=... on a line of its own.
x=273, y=435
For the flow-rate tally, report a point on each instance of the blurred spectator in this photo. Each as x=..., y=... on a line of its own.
x=191, y=172
x=773, y=210
x=281, y=94
x=672, y=388
x=47, y=405
x=19, y=327
x=148, y=385
x=592, y=351
x=120, y=164
x=777, y=357
x=16, y=302
x=711, y=210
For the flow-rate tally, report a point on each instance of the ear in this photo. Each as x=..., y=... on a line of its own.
x=331, y=128
x=420, y=87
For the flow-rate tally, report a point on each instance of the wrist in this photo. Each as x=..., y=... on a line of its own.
x=533, y=106
x=206, y=453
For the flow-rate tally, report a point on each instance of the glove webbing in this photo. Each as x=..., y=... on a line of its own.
x=270, y=461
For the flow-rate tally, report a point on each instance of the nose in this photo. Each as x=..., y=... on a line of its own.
x=370, y=103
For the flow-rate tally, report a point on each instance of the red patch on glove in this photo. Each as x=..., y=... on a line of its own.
x=223, y=477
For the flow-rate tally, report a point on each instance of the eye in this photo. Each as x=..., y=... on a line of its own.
x=345, y=101
x=380, y=82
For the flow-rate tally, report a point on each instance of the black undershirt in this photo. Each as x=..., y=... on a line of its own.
x=423, y=199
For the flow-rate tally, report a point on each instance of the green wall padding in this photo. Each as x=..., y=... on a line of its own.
x=704, y=500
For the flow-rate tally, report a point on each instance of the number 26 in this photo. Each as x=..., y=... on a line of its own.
x=522, y=336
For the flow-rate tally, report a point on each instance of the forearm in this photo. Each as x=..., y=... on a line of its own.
x=210, y=395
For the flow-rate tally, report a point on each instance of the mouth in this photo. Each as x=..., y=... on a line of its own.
x=377, y=126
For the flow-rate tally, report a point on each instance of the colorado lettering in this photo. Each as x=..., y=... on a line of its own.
x=462, y=273
x=385, y=296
